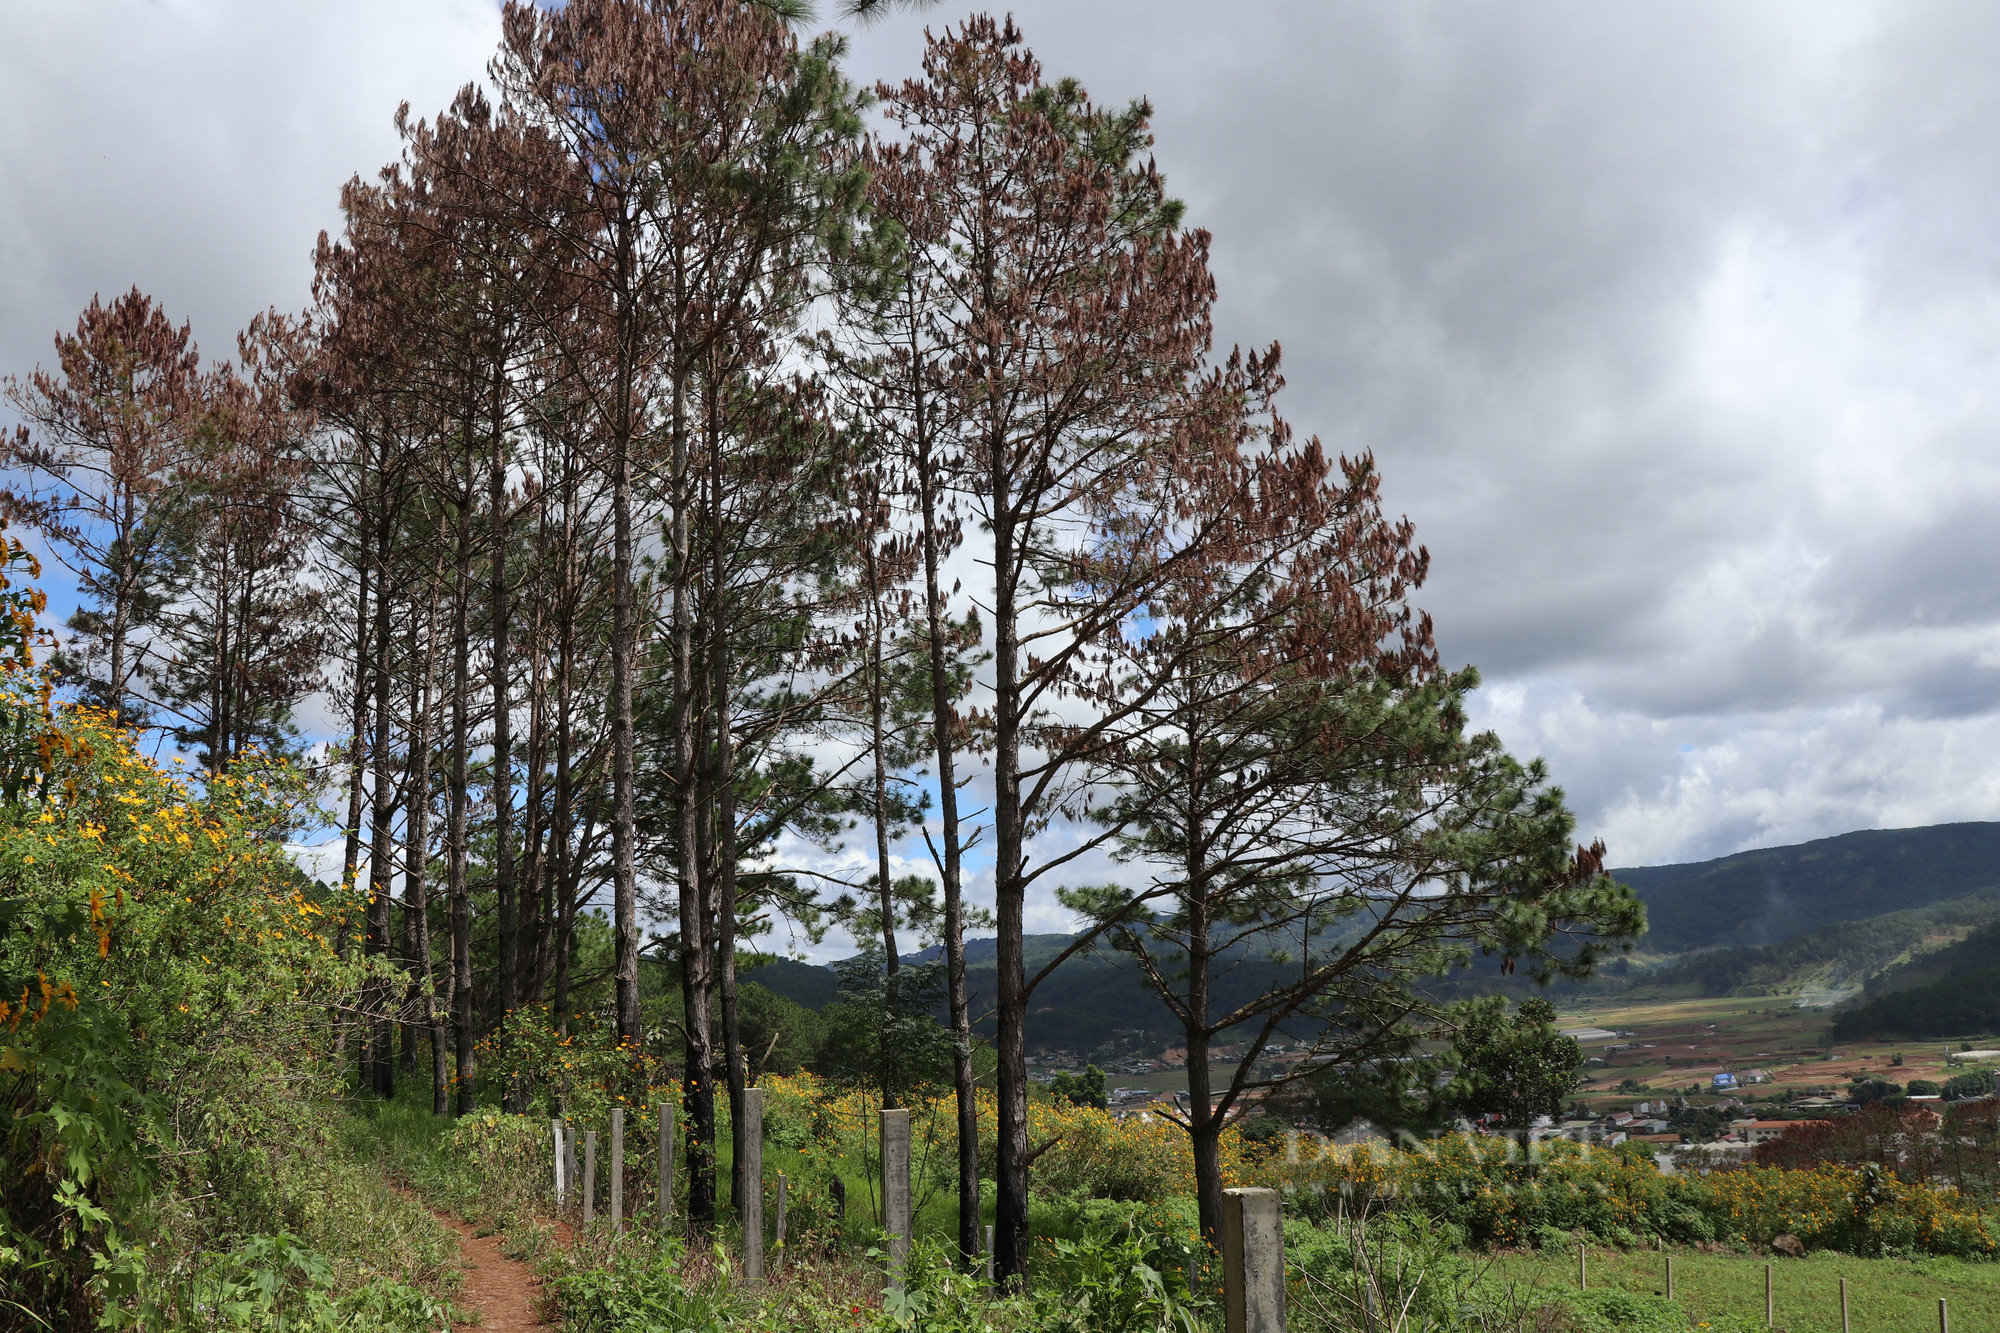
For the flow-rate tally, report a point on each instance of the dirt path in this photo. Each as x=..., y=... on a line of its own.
x=503, y=1290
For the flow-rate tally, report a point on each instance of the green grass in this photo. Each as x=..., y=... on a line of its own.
x=1883, y=1294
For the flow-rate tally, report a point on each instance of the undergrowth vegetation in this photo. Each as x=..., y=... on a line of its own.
x=1422, y=1238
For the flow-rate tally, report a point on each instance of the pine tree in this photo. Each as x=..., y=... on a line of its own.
x=1065, y=314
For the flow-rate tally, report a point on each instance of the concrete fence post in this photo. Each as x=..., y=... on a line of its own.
x=751, y=1205
x=991, y=1290
x=570, y=1174
x=589, y=1176
x=1253, y=1261
x=896, y=1189
x=555, y=1129
x=1846, y=1324
x=618, y=1168
x=666, y=1163
x=1670, y=1277
x=778, y=1229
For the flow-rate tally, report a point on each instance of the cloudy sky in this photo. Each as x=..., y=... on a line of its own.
x=1673, y=326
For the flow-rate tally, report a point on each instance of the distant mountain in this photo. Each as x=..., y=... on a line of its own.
x=1877, y=904
x=809, y=984
x=1766, y=897
x=1087, y=1001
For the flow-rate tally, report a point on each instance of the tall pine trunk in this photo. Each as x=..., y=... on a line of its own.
x=382, y=815
x=944, y=722
x=507, y=991
x=1011, y=1204
x=1204, y=1122
x=879, y=794
x=624, y=635
x=357, y=737
x=416, y=875
x=461, y=890
x=562, y=818
x=698, y=1075
x=722, y=826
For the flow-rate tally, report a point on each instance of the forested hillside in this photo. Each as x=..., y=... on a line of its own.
x=1766, y=897
x=1978, y=950
x=1964, y=1003
x=1853, y=953
x=1084, y=1002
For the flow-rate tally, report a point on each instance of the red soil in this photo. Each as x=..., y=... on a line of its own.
x=504, y=1291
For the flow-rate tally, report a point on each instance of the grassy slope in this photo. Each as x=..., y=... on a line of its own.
x=1883, y=1294
x=408, y=1144
x=1887, y=1294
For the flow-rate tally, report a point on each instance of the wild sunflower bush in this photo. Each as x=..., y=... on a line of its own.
x=1495, y=1196
x=167, y=985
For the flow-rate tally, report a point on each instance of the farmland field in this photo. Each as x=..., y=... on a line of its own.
x=1682, y=1043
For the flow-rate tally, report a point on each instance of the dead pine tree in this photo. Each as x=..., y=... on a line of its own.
x=104, y=436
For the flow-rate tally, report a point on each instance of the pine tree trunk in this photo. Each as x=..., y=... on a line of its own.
x=722, y=802
x=624, y=635
x=1011, y=1205
x=1205, y=1137
x=534, y=831
x=944, y=722
x=381, y=825
x=503, y=735
x=1204, y=1125
x=417, y=839
x=357, y=735
x=885, y=887
x=465, y=1033
x=562, y=818
x=696, y=979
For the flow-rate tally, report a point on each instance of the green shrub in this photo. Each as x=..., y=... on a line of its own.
x=639, y=1289
x=1623, y=1312
x=936, y=1296
x=75, y=1166
x=278, y=1283
x=1347, y=1274
x=1499, y=1198
x=1172, y=1220
x=1107, y=1283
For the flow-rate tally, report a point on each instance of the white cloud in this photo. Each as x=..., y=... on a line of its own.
x=1673, y=327
x=197, y=148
